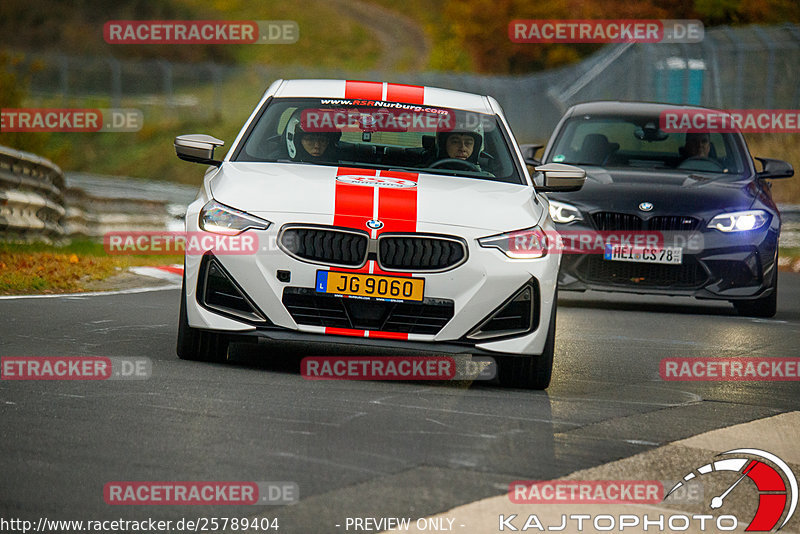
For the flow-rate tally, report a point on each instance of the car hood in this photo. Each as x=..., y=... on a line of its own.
x=263, y=188
x=670, y=192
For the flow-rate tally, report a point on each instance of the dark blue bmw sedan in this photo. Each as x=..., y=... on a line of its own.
x=700, y=190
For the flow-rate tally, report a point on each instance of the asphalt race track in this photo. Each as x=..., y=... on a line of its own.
x=357, y=448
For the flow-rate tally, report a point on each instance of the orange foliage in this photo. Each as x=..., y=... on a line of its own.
x=481, y=26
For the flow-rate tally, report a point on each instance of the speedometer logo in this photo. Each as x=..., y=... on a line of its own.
x=771, y=477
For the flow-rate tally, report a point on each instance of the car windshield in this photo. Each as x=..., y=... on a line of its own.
x=638, y=142
x=381, y=135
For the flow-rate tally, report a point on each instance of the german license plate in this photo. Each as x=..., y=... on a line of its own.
x=369, y=285
x=667, y=255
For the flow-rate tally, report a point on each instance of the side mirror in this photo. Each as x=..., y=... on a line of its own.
x=560, y=178
x=529, y=154
x=775, y=168
x=198, y=148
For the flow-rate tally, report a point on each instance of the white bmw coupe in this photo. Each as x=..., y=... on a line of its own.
x=385, y=215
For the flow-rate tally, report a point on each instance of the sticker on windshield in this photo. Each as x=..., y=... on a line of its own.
x=376, y=181
x=559, y=158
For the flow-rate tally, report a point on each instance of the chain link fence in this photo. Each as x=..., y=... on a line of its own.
x=734, y=68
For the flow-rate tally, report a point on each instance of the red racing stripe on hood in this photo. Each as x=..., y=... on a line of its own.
x=397, y=208
x=353, y=203
x=356, y=204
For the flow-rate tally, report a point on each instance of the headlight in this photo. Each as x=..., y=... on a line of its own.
x=739, y=221
x=525, y=244
x=564, y=213
x=220, y=219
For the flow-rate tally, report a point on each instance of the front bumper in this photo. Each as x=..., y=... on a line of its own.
x=472, y=291
x=736, y=266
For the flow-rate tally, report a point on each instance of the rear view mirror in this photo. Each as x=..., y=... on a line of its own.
x=198, y=148
x=529, y=154
x=650, y=133
x=775, y=168
x=558, y=177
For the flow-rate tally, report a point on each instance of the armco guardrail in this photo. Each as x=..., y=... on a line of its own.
x=97, y=204
x=790, y=225
x=39, y=202
x=31, y=196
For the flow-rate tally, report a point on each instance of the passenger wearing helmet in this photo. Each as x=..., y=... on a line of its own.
x=310, y=146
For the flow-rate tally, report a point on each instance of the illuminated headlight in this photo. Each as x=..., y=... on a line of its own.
x=527, y=244
x=739, y=221
x=564, y=213
x=220, y=219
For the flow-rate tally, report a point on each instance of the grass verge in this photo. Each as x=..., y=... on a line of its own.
x=79, y=266
x=789, y=259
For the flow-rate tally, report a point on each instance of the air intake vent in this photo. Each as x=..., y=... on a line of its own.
x=518, y=315
x=308, y=307
x=689, y=275
x=218, y=292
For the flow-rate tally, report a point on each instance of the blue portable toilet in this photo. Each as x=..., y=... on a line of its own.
x=670, y=80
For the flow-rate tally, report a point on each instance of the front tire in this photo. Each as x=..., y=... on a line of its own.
x=531, y=371
x=198, y=345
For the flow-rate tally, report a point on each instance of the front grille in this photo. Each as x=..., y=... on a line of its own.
x=350, y=248
x=612, y=221
x=407, y=253
x=688, y=275
x=307, y=307
x=323, y=245
x=672, y=223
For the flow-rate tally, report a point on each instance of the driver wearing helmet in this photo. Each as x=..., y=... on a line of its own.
x=461, y=143
x=310, y=146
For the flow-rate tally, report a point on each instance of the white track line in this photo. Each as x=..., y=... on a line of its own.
x=93, y=293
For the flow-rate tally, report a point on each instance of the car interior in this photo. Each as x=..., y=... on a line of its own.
x=614, y=143
x=410, y=150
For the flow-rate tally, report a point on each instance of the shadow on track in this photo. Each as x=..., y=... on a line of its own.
x=696, y=307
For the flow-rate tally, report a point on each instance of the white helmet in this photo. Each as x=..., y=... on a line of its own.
x=294, y=133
